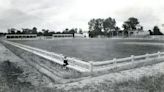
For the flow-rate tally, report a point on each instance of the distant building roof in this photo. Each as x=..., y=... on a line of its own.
x=21, y=34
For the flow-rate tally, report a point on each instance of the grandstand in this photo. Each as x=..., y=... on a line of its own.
x=20, y=36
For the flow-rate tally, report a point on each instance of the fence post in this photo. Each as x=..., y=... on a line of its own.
x=147, y=56
x=132, y=58
x=114, y=61
x=159, y=54
x=91, y=68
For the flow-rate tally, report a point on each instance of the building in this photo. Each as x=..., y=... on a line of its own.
x=86, y=34
x=77, y=35
x=82, y=35
x=140, y=34
x=161, y=27
x=20, y=36
x=62, y=35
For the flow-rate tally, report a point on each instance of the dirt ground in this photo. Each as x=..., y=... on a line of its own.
x=28, y=75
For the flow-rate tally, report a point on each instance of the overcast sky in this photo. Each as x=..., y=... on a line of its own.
x=60, y=14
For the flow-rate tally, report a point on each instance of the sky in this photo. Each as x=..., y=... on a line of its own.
x=57, y=15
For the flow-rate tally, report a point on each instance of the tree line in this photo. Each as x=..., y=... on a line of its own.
x=107, y=26
x=97, y=27
x=156, y=31
x=43, y=32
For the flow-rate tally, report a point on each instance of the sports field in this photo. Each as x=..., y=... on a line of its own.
x=97, y=49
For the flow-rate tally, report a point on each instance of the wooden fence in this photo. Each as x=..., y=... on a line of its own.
x=75, y=64
x=84, y=66
x=113, y=63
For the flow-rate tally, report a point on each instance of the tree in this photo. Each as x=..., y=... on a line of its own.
x=95, y=27
x=66, y=31
x=99, y=26
x=91, y=24
x=58, y=33
x=34, y=30
x=80, y=31
x=126, y=25
x=40, y=34
x=18, y=32
x=26, y=31
x=117, y=28
x=72, y=31
x=156, y=31
x=109, y=24
x=51, y=33
x=76, y=30
x=141, y=28
x=91, y=34
x=130, y=24
x=151, y=33
x=45, y=32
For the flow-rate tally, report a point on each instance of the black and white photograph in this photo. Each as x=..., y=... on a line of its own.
x=81, y=46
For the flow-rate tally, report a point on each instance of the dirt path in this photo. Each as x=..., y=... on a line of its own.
x=6, y=54
x=30, y=74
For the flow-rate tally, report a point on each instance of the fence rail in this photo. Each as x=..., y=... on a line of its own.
x=84, y=66
x=129, y=59
x=76, y=64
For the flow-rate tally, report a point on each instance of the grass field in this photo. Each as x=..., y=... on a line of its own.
x=96, y=49
x=143, y=79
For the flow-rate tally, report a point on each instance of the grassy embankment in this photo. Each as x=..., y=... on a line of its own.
x=10, y=73
x=57, y=73
x=153, y=82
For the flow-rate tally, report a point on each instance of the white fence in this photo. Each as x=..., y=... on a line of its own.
x=132, y=58
x=104, y=65
x=84, y=66
x=76, y=64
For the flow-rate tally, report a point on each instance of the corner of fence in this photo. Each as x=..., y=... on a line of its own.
x=147, y=56
x=91, y=67
x=115, y=62
x=132, y=58
x=159, y=54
